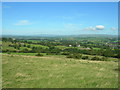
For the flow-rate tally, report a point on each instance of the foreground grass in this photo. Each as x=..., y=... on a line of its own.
x=21, y=71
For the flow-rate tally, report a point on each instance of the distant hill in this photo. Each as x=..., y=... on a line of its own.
x=50, y=35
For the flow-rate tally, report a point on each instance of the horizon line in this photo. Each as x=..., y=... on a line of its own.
x=55, y=34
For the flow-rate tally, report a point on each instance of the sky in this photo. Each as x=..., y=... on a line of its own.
x=59, y=18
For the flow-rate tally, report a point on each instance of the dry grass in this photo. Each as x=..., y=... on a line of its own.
x=20, y=71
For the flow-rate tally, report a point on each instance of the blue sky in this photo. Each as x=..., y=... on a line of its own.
x=60, y=18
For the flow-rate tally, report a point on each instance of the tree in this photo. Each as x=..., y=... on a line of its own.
x=95, y=58
x=25, y=50
x=39, y=54
x=85, y=57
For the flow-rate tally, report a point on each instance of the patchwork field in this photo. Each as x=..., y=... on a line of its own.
x=21, y=71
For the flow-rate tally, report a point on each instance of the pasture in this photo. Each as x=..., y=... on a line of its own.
x=27, y=71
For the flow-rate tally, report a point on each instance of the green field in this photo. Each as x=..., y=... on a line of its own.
x=27, y=71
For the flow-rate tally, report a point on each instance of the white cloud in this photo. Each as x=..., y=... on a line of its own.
x=100, y=27
x=90, y=28
x=23, y=22
x=113, y=28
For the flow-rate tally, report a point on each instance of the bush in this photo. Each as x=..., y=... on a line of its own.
x=95, y=58
x=39, y=54
x=76, y=56
x=85, y=57
x=51, y=54
x=25, y=50
x=57, y=53
x=104, y=59
x=8, y=53
x=65, y=53
x=70, y=56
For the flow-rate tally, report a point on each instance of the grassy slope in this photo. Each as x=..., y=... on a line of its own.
x=57, y=72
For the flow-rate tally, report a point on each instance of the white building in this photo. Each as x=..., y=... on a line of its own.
x=78, y=45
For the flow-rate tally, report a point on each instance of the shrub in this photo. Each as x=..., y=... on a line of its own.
x=39, y=54
x=104, y=59
x=65, y=53
x=57, y=53
x=85, y=57
x=95, y=58
x=51, y=53
x=25, y=50
x=8, y=53
x=76, y=56
x=70, y=56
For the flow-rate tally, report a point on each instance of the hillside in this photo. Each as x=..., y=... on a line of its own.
x=21, y=71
